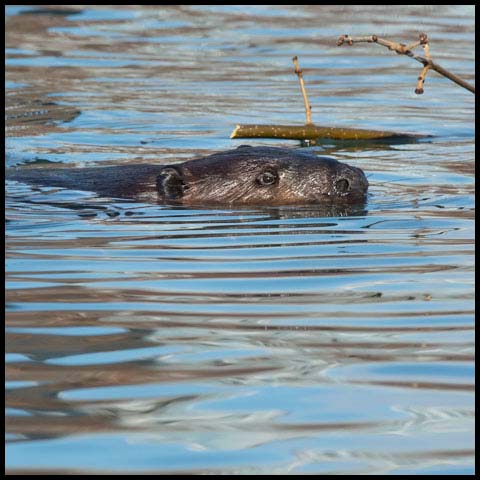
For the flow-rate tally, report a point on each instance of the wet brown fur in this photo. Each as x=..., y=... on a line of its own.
x=231, y=178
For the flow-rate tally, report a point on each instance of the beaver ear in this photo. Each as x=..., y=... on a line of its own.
x=170, y=183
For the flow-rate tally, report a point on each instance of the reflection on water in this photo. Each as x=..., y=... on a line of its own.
x=155, y=339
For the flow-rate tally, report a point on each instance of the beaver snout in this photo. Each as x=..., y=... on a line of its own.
x=350, y=181
x=342, y=186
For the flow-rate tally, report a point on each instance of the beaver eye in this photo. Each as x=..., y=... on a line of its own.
x=266, y=178
x=342, y=185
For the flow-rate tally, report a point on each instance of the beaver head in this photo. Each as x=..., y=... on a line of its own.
x=261, y=176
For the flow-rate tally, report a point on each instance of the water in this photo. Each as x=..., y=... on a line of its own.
x=154, y=339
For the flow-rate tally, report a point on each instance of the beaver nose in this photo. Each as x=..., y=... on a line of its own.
x=341, y=185
x=350, y=182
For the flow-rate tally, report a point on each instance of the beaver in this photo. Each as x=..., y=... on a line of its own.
x=244, y=176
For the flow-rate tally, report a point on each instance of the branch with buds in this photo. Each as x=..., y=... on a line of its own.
x=403, y=49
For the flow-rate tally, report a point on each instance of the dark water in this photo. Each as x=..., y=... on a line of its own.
x=152, y=339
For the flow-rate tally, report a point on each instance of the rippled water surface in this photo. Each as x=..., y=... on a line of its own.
x=154, y=339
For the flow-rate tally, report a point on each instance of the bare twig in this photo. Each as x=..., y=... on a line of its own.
x=421, y=80
x=426, y=48
x=308, y=108
x=406, y=50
